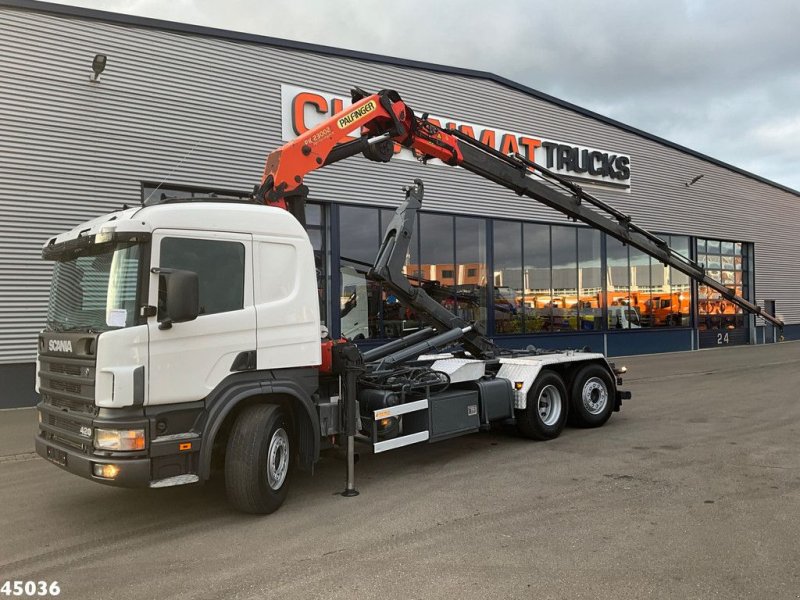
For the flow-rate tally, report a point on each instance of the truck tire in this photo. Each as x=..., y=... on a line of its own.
x=546, y=413
x=258, y=460
x=591, y=397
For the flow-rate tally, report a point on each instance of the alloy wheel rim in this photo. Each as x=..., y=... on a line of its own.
x=549, y=405
x=278, y=459
x=594, y=396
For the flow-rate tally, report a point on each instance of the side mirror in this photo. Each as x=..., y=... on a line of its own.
x=181, y=296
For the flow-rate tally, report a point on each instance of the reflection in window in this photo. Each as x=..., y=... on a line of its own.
x=537, y=285
x=450, y=266
x=641, y=287
x=315, y=226
x=220, y=271
x=618, y=286
x=507, y=277
x=676, y=309
x=564, y=301
x=590, y=280
x=359, y=299
x=354, y=308
x=451, y=269
x=470, y=270
x=726, y=263
x=437, y=255
x=546, y=278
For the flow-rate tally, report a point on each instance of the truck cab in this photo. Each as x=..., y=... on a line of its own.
x=622, y=316
x=156, y=320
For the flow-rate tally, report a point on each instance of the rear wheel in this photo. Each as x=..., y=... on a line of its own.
x=258, y=460
x=591, y=396
x=546, y=413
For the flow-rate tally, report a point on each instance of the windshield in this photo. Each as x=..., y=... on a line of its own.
x=95, y=290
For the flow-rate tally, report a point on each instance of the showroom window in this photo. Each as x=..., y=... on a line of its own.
x=564, y=277
x=359, y=299
x=447, y=259
x=727, y=263
x=621, y=315
x=535, y=278
x=591, y=301
x=676, y=309
x=470, y=273
x=643, y=292
x=437, y=258
x=509, y=308
x=536, y=281
x=367, y=309
x=545, y=278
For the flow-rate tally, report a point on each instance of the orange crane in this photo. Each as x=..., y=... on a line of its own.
x=383, y=119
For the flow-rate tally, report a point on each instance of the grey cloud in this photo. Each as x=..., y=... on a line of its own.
x=721, y=77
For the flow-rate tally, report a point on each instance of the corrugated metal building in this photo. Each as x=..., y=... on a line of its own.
x=196, y=110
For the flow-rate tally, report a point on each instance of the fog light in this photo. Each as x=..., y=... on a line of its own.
x=119, y=439
x=105, y=471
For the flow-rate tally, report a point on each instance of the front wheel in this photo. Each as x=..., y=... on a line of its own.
x=546, y=412
x=591, y=396
x=258, y=460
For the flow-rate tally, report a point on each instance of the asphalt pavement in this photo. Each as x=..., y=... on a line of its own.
x=692, y=491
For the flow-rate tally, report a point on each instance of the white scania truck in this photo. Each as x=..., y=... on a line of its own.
x=185, y=333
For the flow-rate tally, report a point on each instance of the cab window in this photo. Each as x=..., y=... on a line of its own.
x=220, y=271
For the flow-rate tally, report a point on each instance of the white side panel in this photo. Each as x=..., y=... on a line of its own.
x=461, y=369
x=520, y=373
x=119, y=353
x=190, y=359
x=287, y=302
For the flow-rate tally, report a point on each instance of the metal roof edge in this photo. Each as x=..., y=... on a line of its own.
x=147, y=22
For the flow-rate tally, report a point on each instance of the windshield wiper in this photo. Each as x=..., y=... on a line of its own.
x=61, y=328
x=56, y=326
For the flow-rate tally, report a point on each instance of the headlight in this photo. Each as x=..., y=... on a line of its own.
x=119, y=439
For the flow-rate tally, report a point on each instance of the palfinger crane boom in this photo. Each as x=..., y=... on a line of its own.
x=384, y=119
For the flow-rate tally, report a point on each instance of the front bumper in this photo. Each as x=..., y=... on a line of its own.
x=133, y=472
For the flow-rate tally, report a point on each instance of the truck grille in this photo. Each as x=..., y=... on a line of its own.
x=63, y=424
x=67, y=390
x=68, y=384
x=68, y=404
x=65, y=386
x=65, y=369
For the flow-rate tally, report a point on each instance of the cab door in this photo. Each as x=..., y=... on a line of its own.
x=188, y=360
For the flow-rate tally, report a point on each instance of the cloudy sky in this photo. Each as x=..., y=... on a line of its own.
x=719, y=76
